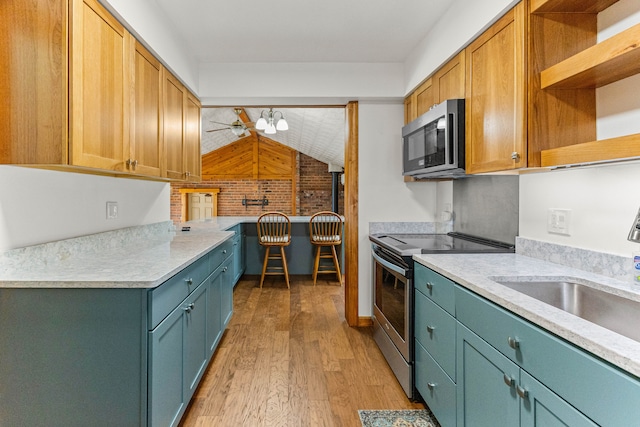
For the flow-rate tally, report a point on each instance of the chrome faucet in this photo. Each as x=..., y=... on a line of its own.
x=634, y=233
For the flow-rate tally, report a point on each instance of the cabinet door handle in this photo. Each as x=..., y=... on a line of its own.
x=225, y=269
x=430, y=286
x=431, y=386
x=514, y=343
x=189, y=281
x=430, y=329
x=134, y=164
x=224, y=251
x=515, y=156
x=508, y=380
x=189, y=307
x=522, y=392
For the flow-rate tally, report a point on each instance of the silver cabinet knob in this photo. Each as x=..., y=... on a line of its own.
x=508, y=380
x=224, y=251
x=429, y=286
x=431, y=386
x=189, y=307
x=430, y=329
x=522, y=392
x=515, y=156
x=225, y=269
x=189, y=281
x=513, y=343
x=134, y=164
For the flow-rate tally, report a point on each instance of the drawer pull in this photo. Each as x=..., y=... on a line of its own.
x=430, y=329
x=508, y=380
x=429, y=286
x=522, y=392
x=513, y=343
x=189, y=307
x=224, y=251
x=225, y=269
x=189, y=281
x=431, y=386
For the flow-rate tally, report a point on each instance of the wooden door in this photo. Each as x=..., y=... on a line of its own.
x=450, y=79
x=200, y=206
x=146, y=145
x=192, y=157
x=495, y=100
x=100, y=87
x=174, y=95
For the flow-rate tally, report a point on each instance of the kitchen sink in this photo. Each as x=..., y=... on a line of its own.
x=613, y=312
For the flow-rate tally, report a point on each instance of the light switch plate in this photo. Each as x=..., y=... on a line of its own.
x=112, y=210
x=558, y=221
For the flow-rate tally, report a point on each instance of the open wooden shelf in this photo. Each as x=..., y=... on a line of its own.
x=609, y=61
x=570, y=6
x=624, y=147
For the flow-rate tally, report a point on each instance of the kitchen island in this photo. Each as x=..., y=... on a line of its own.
x=518, y=357
x=117, y=328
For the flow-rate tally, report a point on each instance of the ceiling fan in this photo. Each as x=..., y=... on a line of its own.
x=237, y=127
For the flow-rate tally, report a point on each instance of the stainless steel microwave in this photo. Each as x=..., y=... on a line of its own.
x=433, y=144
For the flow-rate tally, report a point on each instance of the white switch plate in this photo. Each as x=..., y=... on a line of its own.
x=558, y=221
x=112, y=210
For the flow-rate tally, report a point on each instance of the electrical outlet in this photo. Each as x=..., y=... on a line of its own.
x=112, y=210
x=558, y=221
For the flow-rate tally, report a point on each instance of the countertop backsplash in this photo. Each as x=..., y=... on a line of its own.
x=614, y=266
x=410, y=227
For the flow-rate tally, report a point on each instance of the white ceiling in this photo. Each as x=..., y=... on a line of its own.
x=299, y=31
x=302, y=30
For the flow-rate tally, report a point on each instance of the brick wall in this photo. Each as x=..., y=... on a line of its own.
x=313, y=192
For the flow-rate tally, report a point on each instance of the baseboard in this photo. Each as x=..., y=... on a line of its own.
x=364, y=322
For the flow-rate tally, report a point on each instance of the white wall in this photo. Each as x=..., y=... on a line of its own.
x=147, y=22
x=383, y=196
x=603, y=199
x=299, y=83
x=38, y=206
x=462, y=22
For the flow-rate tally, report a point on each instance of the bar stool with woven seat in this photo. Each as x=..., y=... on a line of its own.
x=325, y=230
x=274, y=229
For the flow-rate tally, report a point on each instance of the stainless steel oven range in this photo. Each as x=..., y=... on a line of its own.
x=392, y=275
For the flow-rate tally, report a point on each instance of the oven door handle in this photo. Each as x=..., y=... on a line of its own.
x=388, y=265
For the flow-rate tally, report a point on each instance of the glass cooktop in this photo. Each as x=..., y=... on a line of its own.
x=409, y=244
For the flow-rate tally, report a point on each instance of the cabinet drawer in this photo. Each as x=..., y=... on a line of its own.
x=435, y=387
x=164, y=298
x=220, y=253
x=601, y=391
x=435, y=330
x=436, y=287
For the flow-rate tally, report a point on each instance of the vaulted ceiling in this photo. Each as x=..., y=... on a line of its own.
x=316, y=132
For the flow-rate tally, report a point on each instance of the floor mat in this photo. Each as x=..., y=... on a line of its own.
x=402, y=418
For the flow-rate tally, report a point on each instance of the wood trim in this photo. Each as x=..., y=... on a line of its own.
x=570, y=6
x=184, y=201
x=594, y=151
x=295, y=170
x=351, y=215
x=364, y=322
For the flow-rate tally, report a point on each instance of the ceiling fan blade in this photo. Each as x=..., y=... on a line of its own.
x=220, y=123
x=216, y=130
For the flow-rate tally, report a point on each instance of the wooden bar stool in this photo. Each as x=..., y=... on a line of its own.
x=274, y=229
x=325, y=230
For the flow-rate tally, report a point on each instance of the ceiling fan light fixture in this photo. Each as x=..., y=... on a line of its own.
x=237, y=130
x=261, y=124
x=282, y=124
x=271, y=129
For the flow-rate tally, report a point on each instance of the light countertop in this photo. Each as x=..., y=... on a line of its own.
x=478, y=272
x=134, y=257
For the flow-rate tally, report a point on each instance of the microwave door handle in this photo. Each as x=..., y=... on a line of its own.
x=388, y=265
x=450, y=137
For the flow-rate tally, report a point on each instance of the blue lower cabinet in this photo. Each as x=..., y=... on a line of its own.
x=435, y=387
x=226, y=291
x=543, y=408
x=486, y=384
x=196, y=351
x=166, y=382
x=214, y=315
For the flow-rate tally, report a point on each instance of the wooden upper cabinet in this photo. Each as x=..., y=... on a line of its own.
x=496, y=96
x=174, y=114
x=100, y=88
x=192, y=157
x=146, y=149
x=425, y=97
x=450, y=79
x=409, y=109
x=33, y=72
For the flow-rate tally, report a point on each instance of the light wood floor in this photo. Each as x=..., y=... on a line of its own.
x=288, y=358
